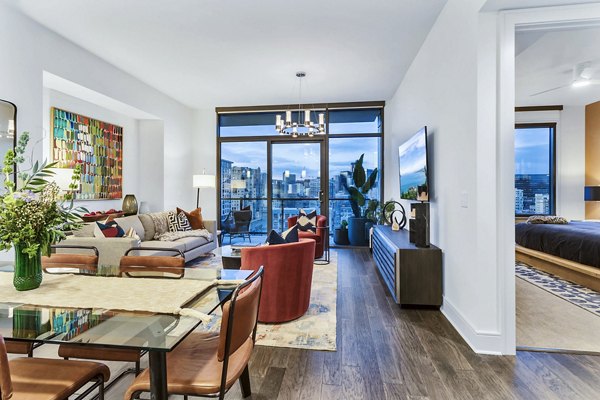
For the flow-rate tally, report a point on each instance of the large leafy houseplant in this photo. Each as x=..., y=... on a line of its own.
x=364, y=210
x=33, y=215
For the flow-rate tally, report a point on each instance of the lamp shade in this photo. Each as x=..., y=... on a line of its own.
x=204, y=181
x=592, y=193
x=62, y=177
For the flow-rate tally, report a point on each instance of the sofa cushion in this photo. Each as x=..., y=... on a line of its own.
x=132, y=221
x=307, y=221
x=191, y=243
x=178, y=222
x=163, y=245
x=148, y=225
x=109, y=230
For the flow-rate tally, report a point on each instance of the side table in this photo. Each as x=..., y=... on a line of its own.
x=326, y=258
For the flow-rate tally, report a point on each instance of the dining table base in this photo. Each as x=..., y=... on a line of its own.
x=158, y=375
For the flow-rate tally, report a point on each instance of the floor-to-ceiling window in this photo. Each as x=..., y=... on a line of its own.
x=275, y=175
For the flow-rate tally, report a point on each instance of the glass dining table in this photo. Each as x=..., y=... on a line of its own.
x=157, y=334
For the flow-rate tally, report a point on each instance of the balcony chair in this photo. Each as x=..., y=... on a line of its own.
x=288, y=278
x=208, y=365
x=319, y=237
x=48, y=379
x=237, y=223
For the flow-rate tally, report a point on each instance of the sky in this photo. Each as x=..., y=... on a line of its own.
x=532, y=151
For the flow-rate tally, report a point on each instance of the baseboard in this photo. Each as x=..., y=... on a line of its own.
x=480, y=342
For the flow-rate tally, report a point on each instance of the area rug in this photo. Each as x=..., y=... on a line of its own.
x=316, y=330
x=576, y=294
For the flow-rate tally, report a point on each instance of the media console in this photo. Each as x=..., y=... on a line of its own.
x=412, y=274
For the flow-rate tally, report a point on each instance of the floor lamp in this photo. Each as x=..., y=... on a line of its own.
x=202, y=181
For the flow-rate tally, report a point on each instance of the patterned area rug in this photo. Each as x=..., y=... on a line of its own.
x=316, y=330
x=581, y=296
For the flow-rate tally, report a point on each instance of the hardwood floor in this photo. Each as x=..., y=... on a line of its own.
x=385, y=352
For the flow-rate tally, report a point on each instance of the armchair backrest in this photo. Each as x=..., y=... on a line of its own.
x=6, y=389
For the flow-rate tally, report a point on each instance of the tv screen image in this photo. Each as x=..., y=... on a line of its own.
x=412, y=154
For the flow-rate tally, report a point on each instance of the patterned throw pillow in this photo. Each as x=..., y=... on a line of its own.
x=194, y=217
x=110, y=229
x=178, y=222
x=161, y=224
x=288, y=236
x=131, y=233
x=307, y=221
x=547, y=219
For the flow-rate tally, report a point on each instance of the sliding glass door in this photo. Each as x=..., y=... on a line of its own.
x=296, y=180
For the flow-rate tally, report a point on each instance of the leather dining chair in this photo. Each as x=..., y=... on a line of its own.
x=139, y=266
x=209, y=365
x=86, y=264
x=67, y=262
x=48, y=379
x=15, y=347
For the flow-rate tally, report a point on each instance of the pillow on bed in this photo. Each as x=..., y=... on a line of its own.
x=547, y=219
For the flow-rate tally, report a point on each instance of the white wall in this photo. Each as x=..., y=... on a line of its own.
x=205, y=159
x=131, y=141
x=454, y=67
x=33, y=49
x=151, y=164
x=570, y=156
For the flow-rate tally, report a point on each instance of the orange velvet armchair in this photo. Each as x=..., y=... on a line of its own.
x=287, y=278
x=319, y=237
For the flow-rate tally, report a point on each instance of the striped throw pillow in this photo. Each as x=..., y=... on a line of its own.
x=307, y=221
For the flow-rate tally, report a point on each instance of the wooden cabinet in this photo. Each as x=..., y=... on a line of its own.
x=412, y=274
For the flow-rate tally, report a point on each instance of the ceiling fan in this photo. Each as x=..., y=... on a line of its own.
x=582, y=76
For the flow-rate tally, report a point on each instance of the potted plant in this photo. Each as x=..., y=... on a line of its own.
x=31, y=217
x=358, y=192
x=340, y=235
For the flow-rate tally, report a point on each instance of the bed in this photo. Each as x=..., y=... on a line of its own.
x=570, y=251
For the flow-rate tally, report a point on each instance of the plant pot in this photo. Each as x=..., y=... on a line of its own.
x=356, y=231
x=28, y=270
x=340, y=236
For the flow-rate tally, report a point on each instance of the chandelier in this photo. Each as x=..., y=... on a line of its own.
x=302, y=126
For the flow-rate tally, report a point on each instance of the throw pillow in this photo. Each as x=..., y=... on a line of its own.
x=307, y=221
x=288, y=236
x=148, y=225
x=161, y=224
x=131, y=233
x=195, y=217
x=110, y=229
x=87, y=230
x=178, y=222
x=547, y=219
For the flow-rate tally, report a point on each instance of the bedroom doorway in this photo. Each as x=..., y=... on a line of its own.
x=557, y=268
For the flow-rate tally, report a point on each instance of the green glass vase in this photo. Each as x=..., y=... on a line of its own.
x=28, y=270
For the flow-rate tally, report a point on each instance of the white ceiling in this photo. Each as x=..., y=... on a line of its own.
x=545, y=60
x=498, y=5
x=208, y=53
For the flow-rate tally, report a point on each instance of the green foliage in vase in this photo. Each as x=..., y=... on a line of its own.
x=360, y=189
x=32, y=213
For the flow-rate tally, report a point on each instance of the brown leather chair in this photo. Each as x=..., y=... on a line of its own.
x=208, y=365
x=84, y=263
x=89, y=264
x=139, y=266
x=48, y=379
x=15, y=347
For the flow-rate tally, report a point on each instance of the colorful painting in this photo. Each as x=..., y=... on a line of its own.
x=96, y=145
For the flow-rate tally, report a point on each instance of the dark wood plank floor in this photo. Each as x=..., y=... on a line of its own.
x=385, y=352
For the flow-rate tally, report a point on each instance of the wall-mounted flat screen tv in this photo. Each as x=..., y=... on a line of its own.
x=414, y=182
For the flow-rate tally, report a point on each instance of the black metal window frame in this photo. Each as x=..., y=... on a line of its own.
x=275, y=139
x=552, y=166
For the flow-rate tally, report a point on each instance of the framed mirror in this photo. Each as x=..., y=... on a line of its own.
x=8, y=131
